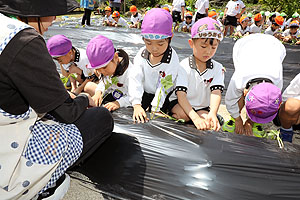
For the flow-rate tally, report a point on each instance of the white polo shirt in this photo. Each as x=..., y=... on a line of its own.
x=270, y=32
x=122, y=22
x=147, y=77
x=243, y=31
x=120, y=90
x=255, y=29
x=287, y=33
x=234, y=7
x=187, y=25
x=201, y=5
x=255, y=56
x=293, y=90
x=109, y=18
x=137, y=18
x=177, y=4
x=81, y=61
x=201, y=84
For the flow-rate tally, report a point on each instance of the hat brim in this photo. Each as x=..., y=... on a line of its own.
x=89, y=66
x=260, y=120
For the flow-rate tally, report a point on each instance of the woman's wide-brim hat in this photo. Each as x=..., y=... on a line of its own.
x=37, y=8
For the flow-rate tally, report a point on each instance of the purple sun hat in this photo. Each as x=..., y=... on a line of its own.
x=59, y=45
x=157, y=24
x=207, y=28
x=100, y=51
x=262, y=102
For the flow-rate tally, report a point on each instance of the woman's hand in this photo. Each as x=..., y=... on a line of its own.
x=111, y=106
x=139, y=114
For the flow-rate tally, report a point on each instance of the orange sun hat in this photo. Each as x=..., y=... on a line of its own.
x=107, y=8
x=133, y=8
x=279, y=20
x=257, y=17
x=243, y=18
x=188, y=14
x=166, y=8
x=212, y=14
x=294, y=23
x=115, y=14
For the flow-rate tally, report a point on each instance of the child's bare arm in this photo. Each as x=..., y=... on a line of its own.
x=63, y=71
x=215, y=100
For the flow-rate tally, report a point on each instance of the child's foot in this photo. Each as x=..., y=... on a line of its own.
x=229, y=126
x=258, y=131
x=286, y=135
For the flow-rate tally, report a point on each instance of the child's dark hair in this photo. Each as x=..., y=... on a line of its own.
x=189, y=17
x=169, y=39
x=123, y=64
x=211, y=40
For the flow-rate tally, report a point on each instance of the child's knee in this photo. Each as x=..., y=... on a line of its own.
x=292, y=106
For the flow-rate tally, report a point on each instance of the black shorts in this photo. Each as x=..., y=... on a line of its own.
x=174, y=102
x=176, y=16
x=199, y=16
x=230, y=20
x=147, y=99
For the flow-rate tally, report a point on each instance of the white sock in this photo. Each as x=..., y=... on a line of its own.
x=287, y=129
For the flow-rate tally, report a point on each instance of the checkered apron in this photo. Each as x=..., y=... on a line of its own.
x=34, y=152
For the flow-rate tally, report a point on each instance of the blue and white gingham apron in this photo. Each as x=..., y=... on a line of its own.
x=34, y=152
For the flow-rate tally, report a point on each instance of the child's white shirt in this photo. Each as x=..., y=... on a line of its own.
x=234, y=7
x=201, y=84
x=255, y=29
x=287, y=33
x=201, y=6
x=187, y=25
x=270, y=32
x=147, y=77
x=109, y=18
x=293, y=90
x=120, y=90
x=177, y=4
x=122, y=22
x=243, y=31
x=136, y=19
x=81, y=61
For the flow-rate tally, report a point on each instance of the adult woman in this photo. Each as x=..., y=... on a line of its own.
x=43, y=130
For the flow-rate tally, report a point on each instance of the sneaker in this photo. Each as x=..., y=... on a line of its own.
x=229, y=126
x=286, y=135
x=258, y=131
x=220, y=119
x=58, y=191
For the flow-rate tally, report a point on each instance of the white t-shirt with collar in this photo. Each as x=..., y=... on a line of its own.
x=122, y=22
x=201, y=6
x=109, y=18
x=147, y=77
x=81, y=61
x=255, y=29
x=287, y=33
x=269, y=31
x=201, y=84
x=120, y=90
x=243, y=31
x=136, y=19
x=234, y=7
x=177, y=4
x=293, y=90
x=187, y=25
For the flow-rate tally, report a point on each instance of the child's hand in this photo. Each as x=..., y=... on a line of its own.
x=201, y=124
x=239, y=128
x=139, y=114
x=97, y=98
x=213, y=121
x=111, y=106
x=248, y=127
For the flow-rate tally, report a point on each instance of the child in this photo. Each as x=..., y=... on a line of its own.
x=136, y=18
x=108, y=20
x=177, y=12
x=114, y=67
x=234, y=9
x=71, y=60
x=201, y=98
x=258, y=61
x=186, y=25
x=271, y=19
x=119, y=21
x=250, y=17
x=243, y=29
x=292, y=33
x=289, y=113
x=256, y=27
x=273, y=29
x=202, y=9
x=152, y=64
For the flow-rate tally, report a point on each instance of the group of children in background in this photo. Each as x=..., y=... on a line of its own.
x=191, y=90
x=232, y=18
